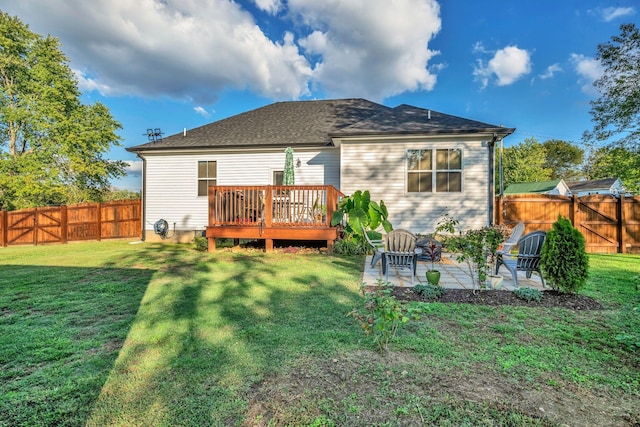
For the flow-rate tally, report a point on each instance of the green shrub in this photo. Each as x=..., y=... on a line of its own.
x=350, y=246
x=528, y=294
x=429, y=291
x=564, y=259
x=201, y=243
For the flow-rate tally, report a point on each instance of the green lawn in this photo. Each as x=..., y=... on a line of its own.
x=114, y=333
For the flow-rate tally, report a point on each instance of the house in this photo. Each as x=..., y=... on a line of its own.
x=611, y=186
x=555, y=187
x=421, y=162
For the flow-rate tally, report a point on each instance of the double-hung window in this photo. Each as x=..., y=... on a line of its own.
x=278, y=177
x=207, y=176
x=434, y=170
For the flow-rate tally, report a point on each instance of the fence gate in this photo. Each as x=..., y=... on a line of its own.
x=21, y=227
x=598, y=221
x=49, y=225
x=33, y=226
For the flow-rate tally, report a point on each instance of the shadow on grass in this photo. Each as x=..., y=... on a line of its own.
x=210, y=327
x=61, y=329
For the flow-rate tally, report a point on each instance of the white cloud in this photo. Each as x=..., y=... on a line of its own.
x=185, y=50
x=195, y=49
x=87, y=84
x=507, y=65
x=134, y=168
x=204, y=113
x=589, y=70
x=551, y=71
x=608, y=14
x=369, y=48
x=270, y=6
x=478, y=47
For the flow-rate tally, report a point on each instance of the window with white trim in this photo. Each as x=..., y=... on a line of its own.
x=207, y=176
x=437, y=170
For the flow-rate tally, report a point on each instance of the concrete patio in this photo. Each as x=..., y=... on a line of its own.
x=453, y=275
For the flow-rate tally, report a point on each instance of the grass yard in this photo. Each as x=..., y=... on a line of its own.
x=121, y=334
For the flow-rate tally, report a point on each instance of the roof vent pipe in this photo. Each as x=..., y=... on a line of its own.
x=184, y=132
x=429, y=114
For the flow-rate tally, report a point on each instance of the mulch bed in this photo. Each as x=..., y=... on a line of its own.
x=501, y=297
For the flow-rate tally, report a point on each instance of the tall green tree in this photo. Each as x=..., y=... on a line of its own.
x=563, y=159
x=615, y=162
x=616, y=114
x=52, y=147
x=524, y=162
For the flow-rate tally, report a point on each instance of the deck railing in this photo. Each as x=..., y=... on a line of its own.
x=273, y=205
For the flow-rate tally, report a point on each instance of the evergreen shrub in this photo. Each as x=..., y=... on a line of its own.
x=564, y=259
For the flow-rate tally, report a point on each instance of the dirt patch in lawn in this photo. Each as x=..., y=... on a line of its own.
x=502, y=297
x=366, y=388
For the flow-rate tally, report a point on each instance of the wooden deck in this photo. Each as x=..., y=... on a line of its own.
x=270, y=212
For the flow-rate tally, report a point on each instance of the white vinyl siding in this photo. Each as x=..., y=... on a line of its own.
x=380, y=166
x=172, y=179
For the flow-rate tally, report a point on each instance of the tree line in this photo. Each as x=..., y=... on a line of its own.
x=531, y=160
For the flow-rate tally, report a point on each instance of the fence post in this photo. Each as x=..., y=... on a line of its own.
x=64, y=229
x=499, y=210
x=99, y=221
x=622, y=229
x=3, y=228
x=575, y=211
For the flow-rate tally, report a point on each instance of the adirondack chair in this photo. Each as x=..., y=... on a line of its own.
x=400, y=252
x=513, y=239
x=527, y=259
x=376, y=245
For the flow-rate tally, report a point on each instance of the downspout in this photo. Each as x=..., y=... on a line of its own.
x=492, y=185
x=144, y=195
x=501, y=167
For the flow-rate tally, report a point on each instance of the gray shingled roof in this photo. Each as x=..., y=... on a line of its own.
x=408, y=119
x=591, y=185
x=313, y=123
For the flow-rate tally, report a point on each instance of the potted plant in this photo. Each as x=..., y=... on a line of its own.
x=446, y=223
x=433, y=275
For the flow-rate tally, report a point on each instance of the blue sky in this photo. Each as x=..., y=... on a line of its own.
x=182, y=64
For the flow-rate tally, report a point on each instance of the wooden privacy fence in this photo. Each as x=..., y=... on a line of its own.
x=609, y=224
x=62, y=224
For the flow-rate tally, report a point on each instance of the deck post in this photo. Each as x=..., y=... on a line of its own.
x=212, y=244
x=332, y=203
x=268, y=206
x=268, y=218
